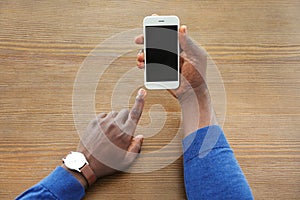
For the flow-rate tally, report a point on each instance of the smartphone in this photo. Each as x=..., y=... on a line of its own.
x=161, y=50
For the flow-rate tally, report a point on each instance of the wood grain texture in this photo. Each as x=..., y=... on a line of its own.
x=255, y=44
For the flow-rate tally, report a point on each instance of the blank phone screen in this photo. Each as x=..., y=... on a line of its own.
x=161, y=53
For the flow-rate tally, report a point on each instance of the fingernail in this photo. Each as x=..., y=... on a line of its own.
x=139, y=137
x=141, y=93
x=184, y=29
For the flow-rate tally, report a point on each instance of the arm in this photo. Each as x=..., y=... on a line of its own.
x=108, y=145
x=215, y=174
x=210, y=168
x=60, y=184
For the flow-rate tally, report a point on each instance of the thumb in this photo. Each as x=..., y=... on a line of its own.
x=136, y=144
x=183, y=37
x=134, y=149
x=189, y=47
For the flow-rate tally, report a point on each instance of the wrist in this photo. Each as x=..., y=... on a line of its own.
x=197, y=110
x=200, y=94
x=100, y=169
x=77, y=164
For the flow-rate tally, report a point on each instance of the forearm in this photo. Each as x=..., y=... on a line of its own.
x=197, y=110
x=210, y=169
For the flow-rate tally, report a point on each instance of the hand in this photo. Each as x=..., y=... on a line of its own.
x=108, y=143
x=193, y=64
x=192, y=94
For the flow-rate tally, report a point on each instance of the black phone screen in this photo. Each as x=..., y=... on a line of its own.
x=161, y=53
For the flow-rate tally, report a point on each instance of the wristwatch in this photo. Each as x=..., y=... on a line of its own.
x=76, y=161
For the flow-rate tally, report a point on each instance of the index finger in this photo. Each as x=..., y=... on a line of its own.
x=137, y=109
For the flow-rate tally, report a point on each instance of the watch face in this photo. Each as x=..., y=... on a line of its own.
x=75, y=161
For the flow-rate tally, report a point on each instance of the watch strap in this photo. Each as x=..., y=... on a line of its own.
x=88, y=174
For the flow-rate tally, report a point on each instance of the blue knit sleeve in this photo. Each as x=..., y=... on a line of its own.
x=60, y=184
x=210, y=169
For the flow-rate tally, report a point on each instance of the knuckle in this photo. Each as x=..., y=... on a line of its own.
x=112, y=124
x=94, y=122
x=101, y=122
x=113, y=113
x=101, y=115
x=126, y=139
x=125, y=110
x=135, y=113
x=139, y=99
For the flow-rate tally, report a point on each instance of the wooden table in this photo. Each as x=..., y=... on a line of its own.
x=256, y=48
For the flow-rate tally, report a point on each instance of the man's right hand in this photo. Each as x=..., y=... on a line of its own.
x=109, y=143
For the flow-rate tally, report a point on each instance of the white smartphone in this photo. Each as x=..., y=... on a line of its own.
x=161, y=50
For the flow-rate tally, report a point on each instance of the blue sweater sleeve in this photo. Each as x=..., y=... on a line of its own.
x=210, y=169
x=60, y=184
